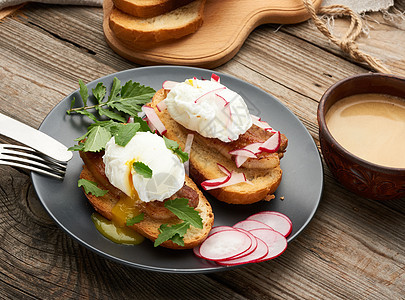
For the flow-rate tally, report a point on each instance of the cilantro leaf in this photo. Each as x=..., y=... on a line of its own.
x=91, y=187
x=135, y=219
x=99, y=92
x=168, y=232
x=185, y=212
x=142, y=169
x=96, y=139
x=84, y=93
x=123, y=133
x=172, y=145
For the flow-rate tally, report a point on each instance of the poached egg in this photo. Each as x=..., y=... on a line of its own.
x=167, y=170
x=209, y=108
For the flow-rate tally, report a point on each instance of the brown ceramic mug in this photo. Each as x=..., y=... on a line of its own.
x=358, y=175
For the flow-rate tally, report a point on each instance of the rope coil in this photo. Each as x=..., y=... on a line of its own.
x=347, y=42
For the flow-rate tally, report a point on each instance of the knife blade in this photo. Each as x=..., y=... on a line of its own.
x=33, y=138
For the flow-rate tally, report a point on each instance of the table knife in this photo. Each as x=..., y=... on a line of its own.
x=33, y=138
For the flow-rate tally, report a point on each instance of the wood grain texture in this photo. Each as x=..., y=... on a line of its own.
x=353, y=248
x=226, y=26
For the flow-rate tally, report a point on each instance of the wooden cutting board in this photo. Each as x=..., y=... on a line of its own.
x=227, y=23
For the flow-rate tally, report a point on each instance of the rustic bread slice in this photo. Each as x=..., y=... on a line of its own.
x=149, y=227
x=172, y=25
x=204, y=160
x=148, y=8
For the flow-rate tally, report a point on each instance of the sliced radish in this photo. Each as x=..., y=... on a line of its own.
x=276, y=213
x=275, y=221
x=187, y=149
x=215, y=77
x=130, y=120
x=261, y=251
x=154, y=119
x=243, y=152
x=272, y=144
x=168, y=84
x=251, y=224
x=215, y=183
x=142, y=115
x=225, y=244
x=276, y=242
x=233, y=178
x=221, y=100
x=161, y=106
x=252, y=247
x=208, y=93
x=219, y=228
x=196, y=251
x=224, y=170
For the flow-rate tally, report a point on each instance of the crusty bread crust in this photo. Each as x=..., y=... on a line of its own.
x=147, y=31
x=148, y=8
x=149, y=228
x=204, y=160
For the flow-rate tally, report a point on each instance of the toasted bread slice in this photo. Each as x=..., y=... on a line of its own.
x=204, y=160
x=149, y=227
x=172, y=25
x=148, y=8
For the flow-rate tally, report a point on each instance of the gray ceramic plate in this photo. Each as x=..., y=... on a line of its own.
x=301, y=185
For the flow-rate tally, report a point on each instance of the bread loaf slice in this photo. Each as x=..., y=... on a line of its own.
x=172, y=25
x=149, y=227
x=148, y=8
x=204, y=160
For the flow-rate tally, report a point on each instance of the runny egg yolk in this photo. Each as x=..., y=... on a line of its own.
x=126, y=207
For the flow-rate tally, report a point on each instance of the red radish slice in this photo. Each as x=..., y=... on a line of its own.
x=215, y=183
x=168, y=84
x=277, y=213
x=243, y=152
x=141, y=114
x=272, y=144
x=154, y=119
x=276, y=242
x=225, y=244
x=252, y=247
x=161, y=106
x=187, y=149
x=275, y=221
x=223, y=169
x=219, y=228
x=196, y=251
x=221, y=100
x=130, y=120
x=215, y=77
x=207, y=94
x=261, y=251
x=251, y=224
x=233, y=178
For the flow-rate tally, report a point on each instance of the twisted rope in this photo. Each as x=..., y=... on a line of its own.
x=347, y=42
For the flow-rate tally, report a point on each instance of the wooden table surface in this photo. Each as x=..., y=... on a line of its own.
x=352, y=249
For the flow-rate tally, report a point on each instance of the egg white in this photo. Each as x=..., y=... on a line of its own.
x=167, y=170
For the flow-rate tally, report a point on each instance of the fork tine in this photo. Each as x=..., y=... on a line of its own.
x=44, y=166
x=31, y=168
x=33, y=157
x=33, y=152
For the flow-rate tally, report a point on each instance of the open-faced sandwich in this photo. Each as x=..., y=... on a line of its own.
x=136, y=178
x=234, y=155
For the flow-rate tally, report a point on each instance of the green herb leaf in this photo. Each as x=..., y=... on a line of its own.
x=115, y=90
x=110, y=114
x=169, y=233
x=78, y=147
x=91, y=187
x=84, y=93
x=172, y=145
x=89, y=114
x=185, y=212
x=135, y=219
x=142, y=169
x=123, y=133
x=99, y=92
x=97, y=139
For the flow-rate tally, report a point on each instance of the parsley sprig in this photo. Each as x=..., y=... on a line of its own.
x=126, y=99
x=123, y=101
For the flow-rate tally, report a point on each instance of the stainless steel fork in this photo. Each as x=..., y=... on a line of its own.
x=30, y=159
